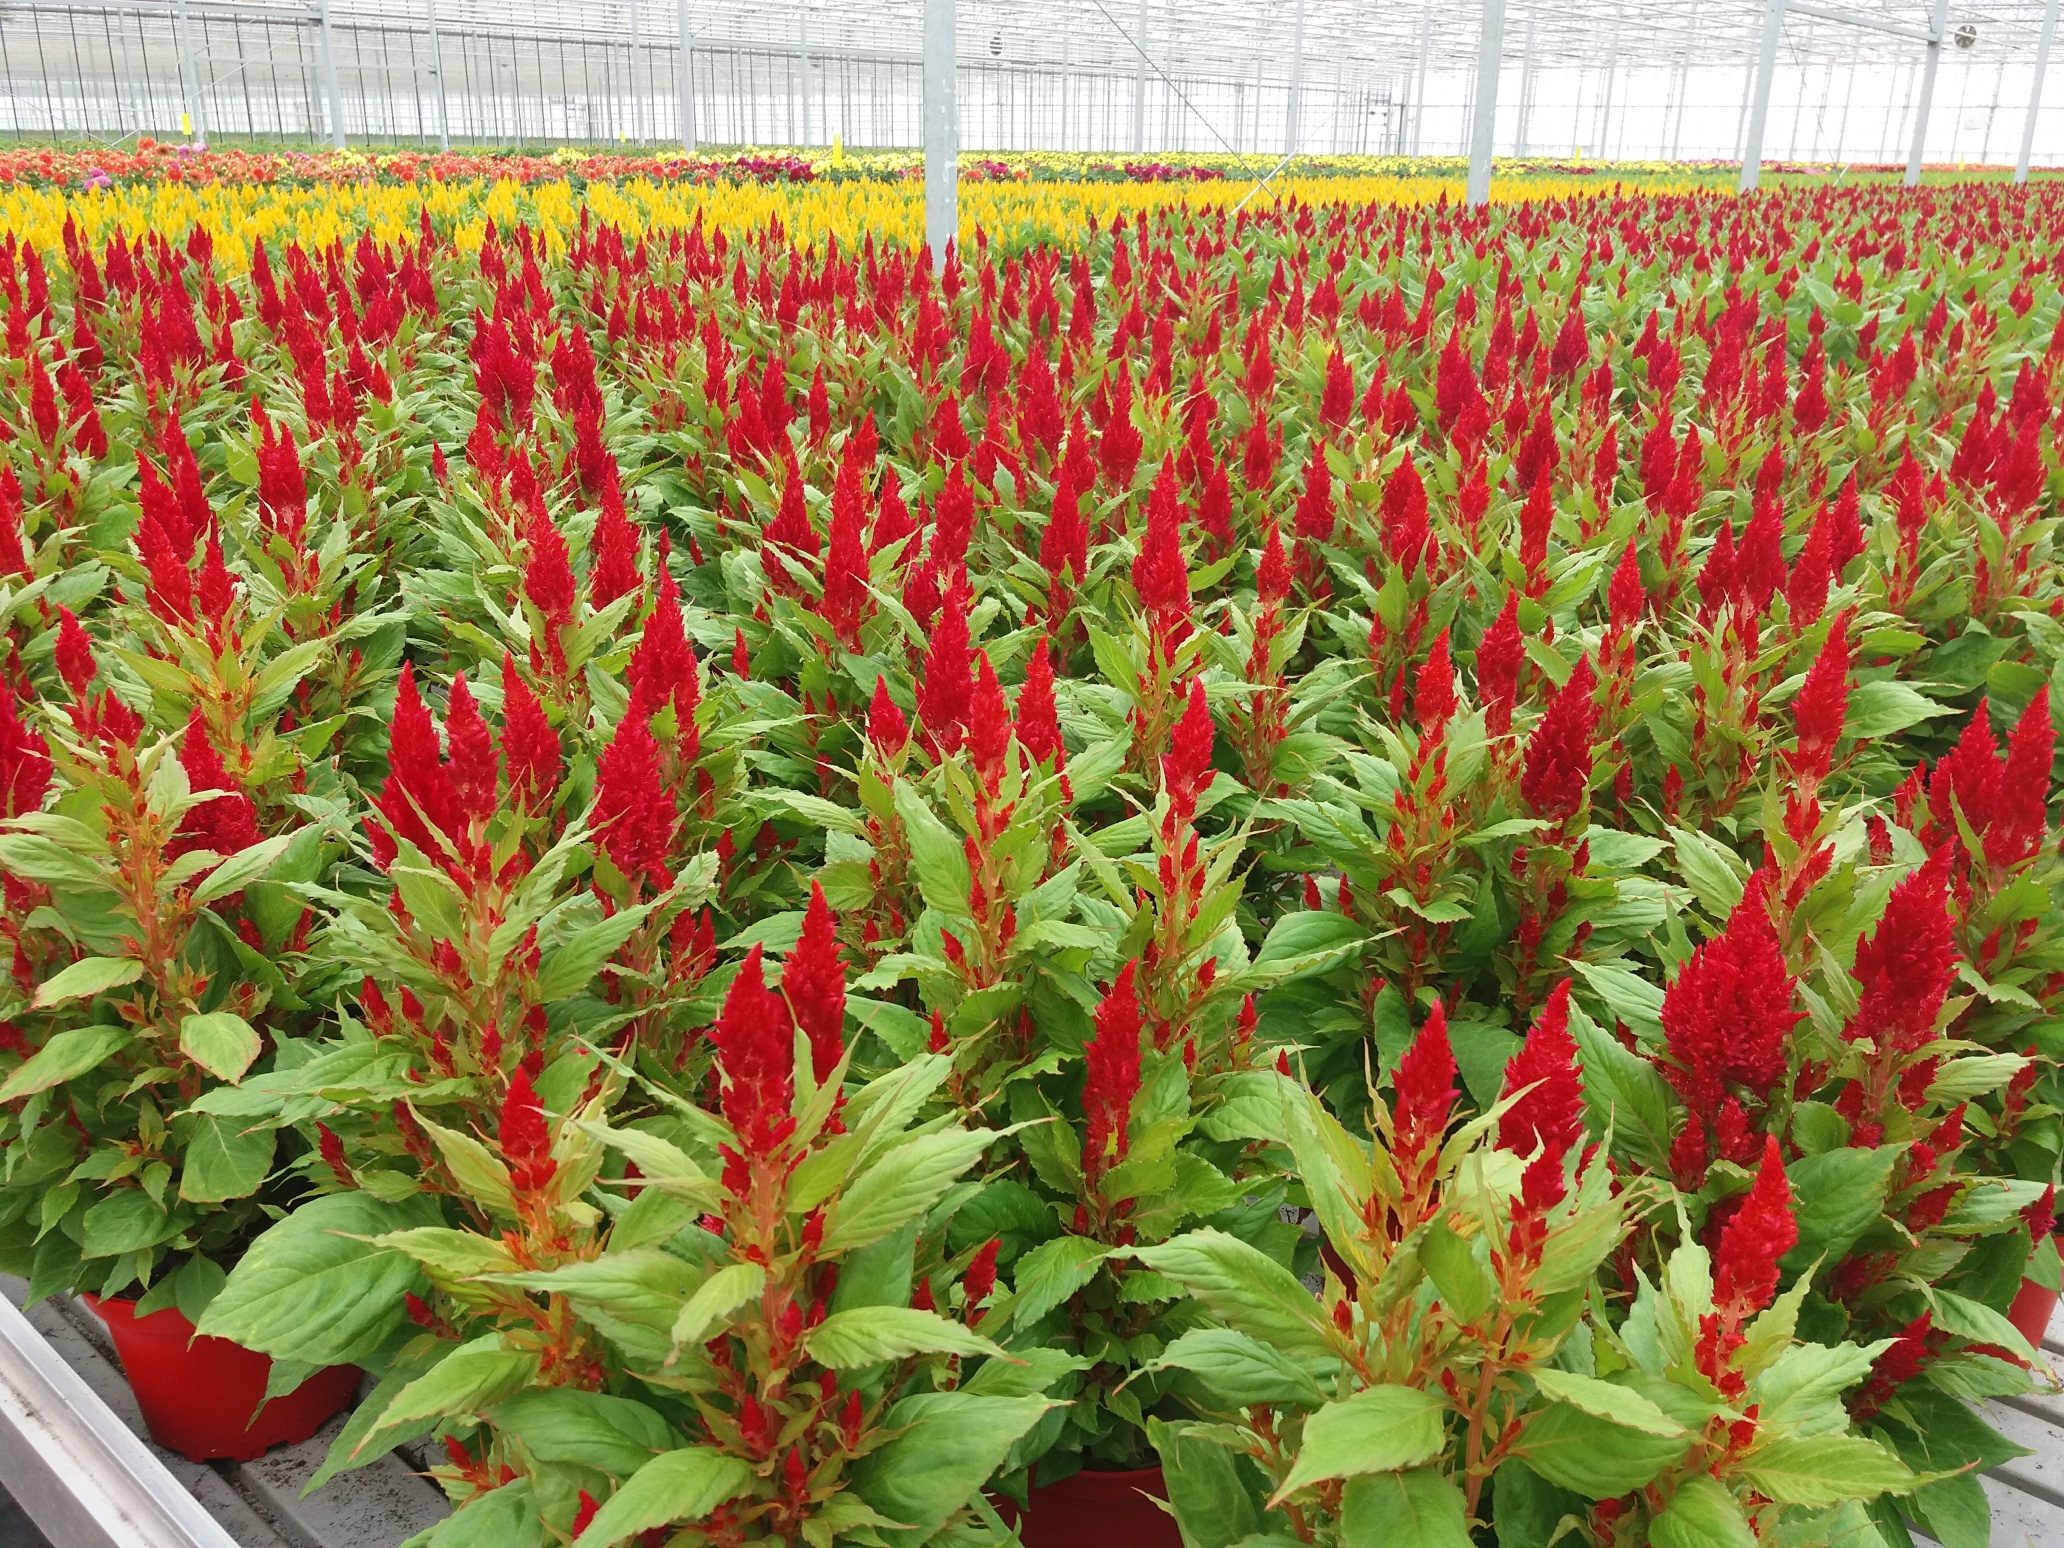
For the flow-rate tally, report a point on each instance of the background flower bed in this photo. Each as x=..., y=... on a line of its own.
x=786, y=876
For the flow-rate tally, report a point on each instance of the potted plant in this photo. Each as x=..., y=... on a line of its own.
x=156, y=948
x=1467, y=1374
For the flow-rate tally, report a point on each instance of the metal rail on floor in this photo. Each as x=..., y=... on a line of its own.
x=74, y=1466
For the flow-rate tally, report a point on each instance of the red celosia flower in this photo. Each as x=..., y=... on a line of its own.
x=530, y=747
x=634, y=815
x=1914, y=1347
x=1112, y=1075
x=947, y=684
x=1820, y=707
x=1557, y=773
x=474, y=765
x=988, y=727
x=1759, y=1233
x=1904, y=971
x=417, y=797
x=1038, y=722
x=1433, y=696
x=1160, y=574
x=1728, y=1014
x=526, y=1139
x=24, y=760
x=614, y=571
x=814, y=979
x=887, y=730
x=1498, y=657
x=755, y=1043
x=225, y=823
x=1186, y=769
x=548, y=573
x=979, y=1282
x=1424, y=1085
x=1551, y=1113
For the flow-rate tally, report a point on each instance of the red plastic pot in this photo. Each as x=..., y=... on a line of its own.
x=1100, y=1510
x=2031, y=1312
x=200, y=1396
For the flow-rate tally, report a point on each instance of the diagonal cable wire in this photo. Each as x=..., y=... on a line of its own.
x=1154, y=65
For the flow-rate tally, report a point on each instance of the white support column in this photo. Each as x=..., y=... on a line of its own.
x=2035, y=87
x=190, y=76
x=1605, y=102
x=1684, y=81
x=1759, y=94
x=1938, y=26
x=333, y=91
x=637, y=95
x=1291, y=118
x=686, y=110
x=437, y=76
x=1526, y=89
x=1490, y=57
x=1419, y=90
x=1842, y=123
x=802, y=69
x=1139, y=83
x=941, y=130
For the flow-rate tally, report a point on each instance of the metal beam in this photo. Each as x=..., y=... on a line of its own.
x=2035, y=88
x=1939, y=22
x=78, y=1471
x=437, y=74
x=1526, y=89
x=333, y=91
x=686, y=110
x=1759, y=94
x=1869, y=23
x=1139, y=83
x=189, y=75
x=1291, y=124
x=637, y=97
x=1419, y=90
x=941, y=131
x=1490, y=57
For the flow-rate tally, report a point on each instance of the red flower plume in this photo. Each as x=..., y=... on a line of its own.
x=1760, y=1232
x=1551, y=1114
x=1113, y=1074
x=814, y=979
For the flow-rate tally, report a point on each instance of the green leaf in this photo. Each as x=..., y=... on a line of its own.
x=309, y=1290
x=1051, y=1272
x=86, y=978
x=1822, y=1470
x=1246, y=1289
x=1420, y=1508
x=902, y=1183
x=224, y=1160
x=679, y=1486
x=568, y=968
x=950, y=1446
x=717, y=1297
x=1378, y=1430
x=242, y=868
x=1701, y=1514
x=128, y=1220
x=1592, y=1456
x=220, y=1042
x=937, y=858
x=1606, y=1400
x=1835, y=1195
x=1879, y=709
x=507, y=1517
x=471, y=1377
x=1240, y=1371
x=1214, y=1508
x=632, y=1297
x=614, y=1435
x=868, y=1335
x=65, y=1055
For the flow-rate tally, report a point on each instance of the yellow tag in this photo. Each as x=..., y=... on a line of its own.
x=186, y=123
x=838, y=150
x=1577, y=153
